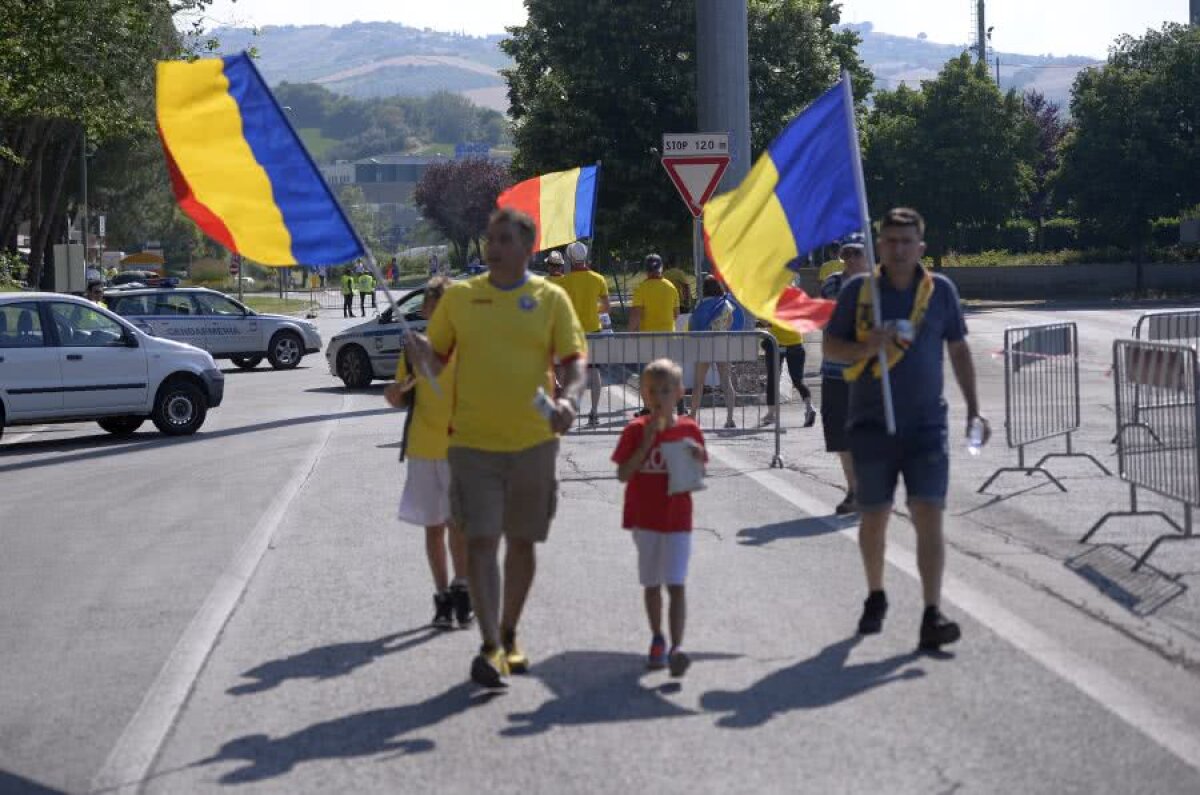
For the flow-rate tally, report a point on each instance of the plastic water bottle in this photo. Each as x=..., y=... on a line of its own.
x=543, y=403
x=975, y=437
x=605, y=323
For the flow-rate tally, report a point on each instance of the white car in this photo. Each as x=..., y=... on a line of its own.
x=370, y=350
x=65, y=359
x=218, y=324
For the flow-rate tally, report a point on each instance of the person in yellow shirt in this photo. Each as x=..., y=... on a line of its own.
x=425, y=501
x=655, y=301
x=504, y=328
x=349, y=288
x=788, y=347
x=366, y=288
x=555, y=267
x=588, y=292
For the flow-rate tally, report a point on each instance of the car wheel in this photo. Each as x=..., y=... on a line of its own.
x=121, y=426
x=286, y=350
x=180, y=407
x=354, y=367
x=246, y=362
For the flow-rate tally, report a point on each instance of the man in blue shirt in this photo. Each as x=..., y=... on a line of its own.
x=920, y=312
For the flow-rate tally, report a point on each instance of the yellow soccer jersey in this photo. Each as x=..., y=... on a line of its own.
x=585, y=288
x=659, y=301
x=503, y=343
x=429, y=432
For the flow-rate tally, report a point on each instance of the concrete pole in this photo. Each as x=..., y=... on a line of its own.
x=723, y=87
x=981, y=30
x=1194, y=17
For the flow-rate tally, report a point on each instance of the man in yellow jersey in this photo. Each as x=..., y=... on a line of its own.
x=655, y=301
x=348, y=290
x=555, y=266
x=366, y=287
x=588, y=292
x=504, y=329
x=788, y=347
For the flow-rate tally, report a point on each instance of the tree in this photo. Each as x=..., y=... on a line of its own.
x=1051, y=129
x=958, y=150
x=603, y=81
x=1133, y=155
x=70, y=71
x=457, y=197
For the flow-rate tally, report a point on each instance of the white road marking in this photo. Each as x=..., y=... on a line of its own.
x=136, y=749
x=1170, y=732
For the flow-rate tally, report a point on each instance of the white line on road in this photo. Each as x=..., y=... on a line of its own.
x=1173, y=734
x=136, y=749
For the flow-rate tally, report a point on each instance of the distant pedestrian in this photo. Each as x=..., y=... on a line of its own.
x=95, y=293
x=555, y=267
x=504, y=329
x=788, y=347
x=655, y=300
x=921, y=317
x=661, y=522
x=715, y=311
x=366, y=289
x=426, y=498
x=588, y=292
x=348, y=290
x=835, y=392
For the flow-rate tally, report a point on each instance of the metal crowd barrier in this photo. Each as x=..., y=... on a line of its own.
x=733, y=396
x=1157, y=451
x=1176, y=326
x=1041, y=394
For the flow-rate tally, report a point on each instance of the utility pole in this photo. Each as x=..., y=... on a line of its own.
x=1194, y=17
x=981, y=30
x=723, y=89
x=83, y=204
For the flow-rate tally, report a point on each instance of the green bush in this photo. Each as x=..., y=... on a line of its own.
x=1059, y=234
x=1164, y=231
x=12, y=268
x=1017, y=236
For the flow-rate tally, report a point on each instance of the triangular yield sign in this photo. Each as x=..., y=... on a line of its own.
x=696, y=178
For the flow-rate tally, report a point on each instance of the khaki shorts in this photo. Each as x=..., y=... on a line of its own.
x=509, y=494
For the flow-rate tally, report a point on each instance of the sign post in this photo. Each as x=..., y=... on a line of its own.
x=695, y=163
x=235, y=270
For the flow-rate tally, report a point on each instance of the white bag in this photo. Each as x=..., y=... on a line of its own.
x=684, y=472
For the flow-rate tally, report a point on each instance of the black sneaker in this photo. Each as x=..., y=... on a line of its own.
x=874, y=611
x=846, y=506
x=489, y=668
x=443, y=611
x=460, y=598
x=937, y=630
x=810, y=416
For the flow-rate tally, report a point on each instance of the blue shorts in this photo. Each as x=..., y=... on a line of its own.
x=922, y=456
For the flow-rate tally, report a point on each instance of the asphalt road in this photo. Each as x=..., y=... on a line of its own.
x=241, y=610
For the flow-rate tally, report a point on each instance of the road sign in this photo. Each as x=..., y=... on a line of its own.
x=235, y=265
x=696, y=178
x=695, y=144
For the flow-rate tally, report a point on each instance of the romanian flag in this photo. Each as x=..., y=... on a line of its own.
x=562, y=203
x=239, y=170
x=802, y=193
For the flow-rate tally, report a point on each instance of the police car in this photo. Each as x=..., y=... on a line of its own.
x=218, y=324
x=65, y=359
x=370, y=350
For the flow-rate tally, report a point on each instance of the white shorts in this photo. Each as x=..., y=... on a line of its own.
x=426, y=498
x=662, y=557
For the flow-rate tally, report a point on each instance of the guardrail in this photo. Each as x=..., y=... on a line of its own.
x=1041, y=394
x=1157, y=451
x=730, y=365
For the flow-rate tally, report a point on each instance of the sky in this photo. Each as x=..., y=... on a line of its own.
x=1029, y=27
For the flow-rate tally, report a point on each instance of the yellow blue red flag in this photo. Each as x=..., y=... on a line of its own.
x=239, y=170
x=562, y=203
x=804, y=192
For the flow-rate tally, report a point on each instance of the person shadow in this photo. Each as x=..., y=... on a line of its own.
x=599, y=687
x=808, y=527
x=365, y=733
x=819, y=681
x=330, y=662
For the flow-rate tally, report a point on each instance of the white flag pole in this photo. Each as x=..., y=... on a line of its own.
x=889, y=412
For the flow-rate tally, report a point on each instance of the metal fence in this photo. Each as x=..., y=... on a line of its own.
x=1157, y=451
x=1041, y=394
x=732, y=397
x=1177, y=326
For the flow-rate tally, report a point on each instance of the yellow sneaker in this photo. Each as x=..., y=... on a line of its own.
x=488, y=668
x=518, y=663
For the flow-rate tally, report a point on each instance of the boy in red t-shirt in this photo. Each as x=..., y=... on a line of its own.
x=661, y=522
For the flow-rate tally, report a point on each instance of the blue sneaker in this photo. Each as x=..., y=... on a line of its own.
x=658, y=654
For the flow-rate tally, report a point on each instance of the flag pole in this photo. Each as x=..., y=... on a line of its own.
x=889, y=411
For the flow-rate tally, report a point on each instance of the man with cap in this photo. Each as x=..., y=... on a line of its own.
x=835, y=392
x=554, y=267
x=95, y=293
x=655, y=301
x=588, y=292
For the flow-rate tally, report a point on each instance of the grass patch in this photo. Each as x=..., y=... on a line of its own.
x=316, y=143
x=429, y=150
x=276, y=305
x=9, y=287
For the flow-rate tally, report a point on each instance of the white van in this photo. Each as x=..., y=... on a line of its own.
x=66, y=359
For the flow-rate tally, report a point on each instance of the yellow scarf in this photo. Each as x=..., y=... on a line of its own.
x=865, y=321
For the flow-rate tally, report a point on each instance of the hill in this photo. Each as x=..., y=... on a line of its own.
x=378, y=59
